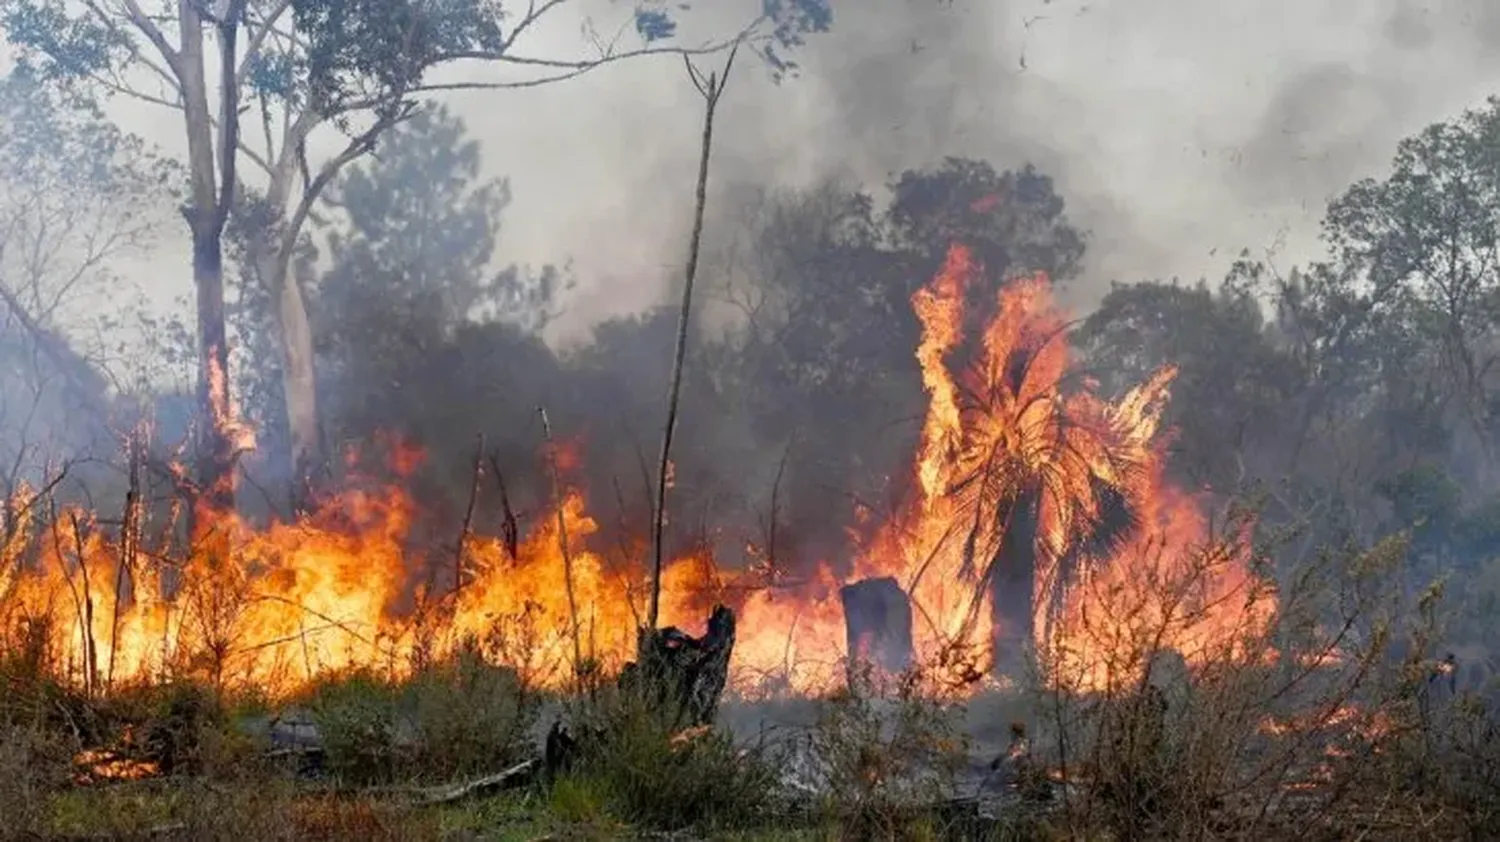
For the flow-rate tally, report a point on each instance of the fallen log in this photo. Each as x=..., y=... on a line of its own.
x=171, y=830
x=877, y=622
x=507, y=779
x=682, y=676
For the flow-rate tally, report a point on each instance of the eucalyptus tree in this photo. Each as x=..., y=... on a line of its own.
x=253, y=80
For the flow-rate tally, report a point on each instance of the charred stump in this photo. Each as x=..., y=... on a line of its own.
x=877, y=620
x=680, y=675
x=559, y=752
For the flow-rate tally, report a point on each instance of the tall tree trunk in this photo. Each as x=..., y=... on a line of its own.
x=711, y=88
x=215, y=449
x=1015, y=584
x=301, y=391
x=298, y=385
x=206, y=214
x=276, y=248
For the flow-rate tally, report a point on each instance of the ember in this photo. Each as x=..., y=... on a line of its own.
x=98, y=765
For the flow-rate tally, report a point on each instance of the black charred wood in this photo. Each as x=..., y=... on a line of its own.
x=683, y=676
x=559, y=752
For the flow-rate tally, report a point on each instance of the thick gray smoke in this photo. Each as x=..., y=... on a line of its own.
x=1179, y=131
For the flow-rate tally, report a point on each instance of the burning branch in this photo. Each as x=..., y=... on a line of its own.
x=562, y=541
x=509, y=529
x=466, y=529
x=130, y=541
x=711, y=87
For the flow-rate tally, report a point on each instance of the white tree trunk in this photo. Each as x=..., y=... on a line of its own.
x=294, y=331
x=298, y=385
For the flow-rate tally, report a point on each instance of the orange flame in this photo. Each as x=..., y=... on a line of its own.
x=274, y=607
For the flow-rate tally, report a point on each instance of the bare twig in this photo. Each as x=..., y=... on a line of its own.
x=711, y=88
x=508, y=529
x=467, y=527
x=562, y=541
x=130, y=532
x=771, y=557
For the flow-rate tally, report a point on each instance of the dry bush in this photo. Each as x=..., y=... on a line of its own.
x=1256, y=730
x=879, y=764
x=1431, y=769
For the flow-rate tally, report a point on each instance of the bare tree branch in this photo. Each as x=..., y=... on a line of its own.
x=154, y=34
x=711, y=88
x=257, y=40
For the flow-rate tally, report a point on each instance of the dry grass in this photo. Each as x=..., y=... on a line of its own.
x=1328, y=723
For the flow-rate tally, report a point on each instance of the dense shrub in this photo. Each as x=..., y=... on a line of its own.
x=457, y=716
x=631, y=765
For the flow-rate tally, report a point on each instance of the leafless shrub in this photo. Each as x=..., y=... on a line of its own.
x=1251, y=729
x=881, y=763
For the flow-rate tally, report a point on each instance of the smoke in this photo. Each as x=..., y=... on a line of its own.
x=1180, y=132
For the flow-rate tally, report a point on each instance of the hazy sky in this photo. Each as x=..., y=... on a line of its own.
x=1179, y=130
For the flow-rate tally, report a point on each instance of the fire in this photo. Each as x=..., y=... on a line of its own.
x=98, y=765
x=1048, y=496
x=1002, y=431
x=226, y=410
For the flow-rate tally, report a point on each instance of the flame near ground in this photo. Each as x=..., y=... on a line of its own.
x=274, y=607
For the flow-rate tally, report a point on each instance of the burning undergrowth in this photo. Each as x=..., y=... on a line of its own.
x=1041, y=509
x=1043, y=572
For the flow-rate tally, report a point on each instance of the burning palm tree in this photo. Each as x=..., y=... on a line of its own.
x=1041, y=482
x=1045, y=493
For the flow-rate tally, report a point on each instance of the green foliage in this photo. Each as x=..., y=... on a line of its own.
x=413, y=313
x=1014, y=221
x=183, y=722
x=580, y=800
x=378, y=50
x=453, y=718
x=1412, y=294
x=1427, y=500
x=791, y=21
x=419, y=238
x=198, y=810
x=412, y=284
x=1232, y=381
x=632, y=767
x=351, y=55
x=356, y=719
x=59, y=47
x=36, y=764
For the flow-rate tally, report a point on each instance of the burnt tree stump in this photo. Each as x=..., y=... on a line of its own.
x=877, y=620
x=683, y=676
